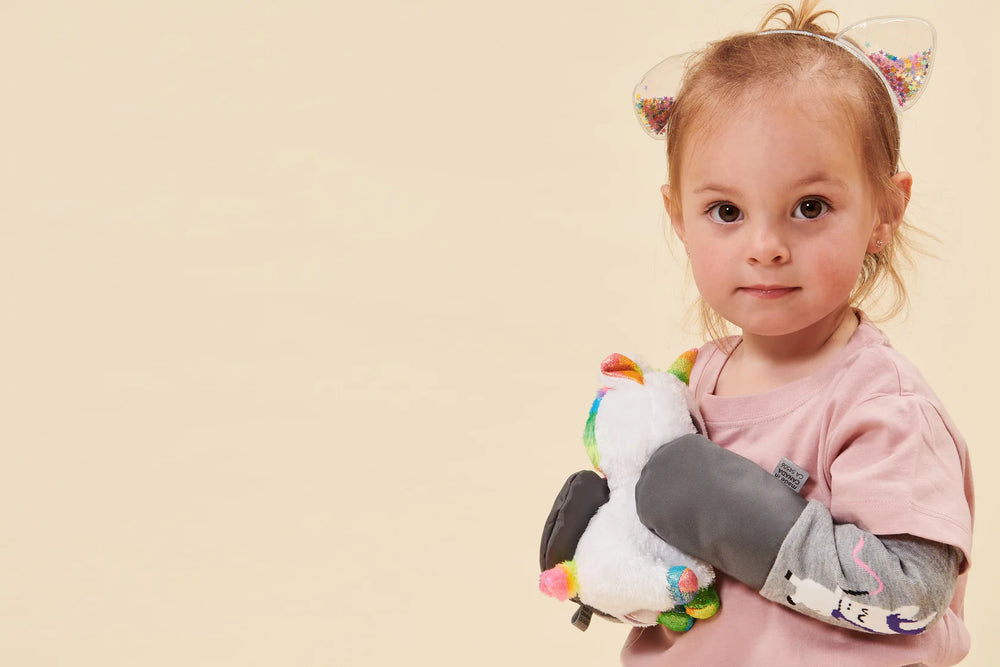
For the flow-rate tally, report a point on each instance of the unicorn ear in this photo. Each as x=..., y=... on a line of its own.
x=655, y=93
x=902, y=50
x=681, y=368
x=618, y=365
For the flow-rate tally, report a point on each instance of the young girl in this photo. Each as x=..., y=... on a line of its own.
x=784, y=187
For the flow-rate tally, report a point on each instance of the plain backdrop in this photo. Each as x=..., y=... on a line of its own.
x=301, y=308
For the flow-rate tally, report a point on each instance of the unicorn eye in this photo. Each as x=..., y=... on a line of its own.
x=725, y=213
x=810, y=209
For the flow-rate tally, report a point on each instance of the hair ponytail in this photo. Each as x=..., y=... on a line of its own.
x=805, y=18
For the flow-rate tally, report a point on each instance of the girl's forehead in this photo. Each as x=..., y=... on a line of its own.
x=777, y=134
x=794, y=99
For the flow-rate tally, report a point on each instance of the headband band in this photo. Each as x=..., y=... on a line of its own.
x=876, y=42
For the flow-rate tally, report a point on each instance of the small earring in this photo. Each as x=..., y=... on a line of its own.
x=879, y=243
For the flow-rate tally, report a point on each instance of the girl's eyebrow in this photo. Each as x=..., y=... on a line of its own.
x=816, y=178
x=820, y=177
x=714, y=187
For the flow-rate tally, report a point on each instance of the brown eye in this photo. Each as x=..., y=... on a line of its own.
x=725, y=213
x=811, y=209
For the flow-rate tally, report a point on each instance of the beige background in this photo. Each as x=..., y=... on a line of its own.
x=302, y=305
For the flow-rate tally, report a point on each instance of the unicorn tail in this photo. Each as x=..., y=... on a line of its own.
x=560, y=582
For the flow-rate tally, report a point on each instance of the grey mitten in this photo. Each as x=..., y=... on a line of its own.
x=717, y=506
x=578, y=500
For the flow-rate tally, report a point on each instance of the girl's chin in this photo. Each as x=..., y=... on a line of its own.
x=762, y=325
x=774, y=325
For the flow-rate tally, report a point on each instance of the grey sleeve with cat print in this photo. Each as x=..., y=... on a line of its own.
x=840, y=574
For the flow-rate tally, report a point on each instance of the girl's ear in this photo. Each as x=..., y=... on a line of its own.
x=676, y=221
x=885, y=229
x=903, y=180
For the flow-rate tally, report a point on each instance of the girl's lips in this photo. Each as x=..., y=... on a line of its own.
x=767, y=291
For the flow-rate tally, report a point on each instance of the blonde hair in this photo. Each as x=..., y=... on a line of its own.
x=730, y=69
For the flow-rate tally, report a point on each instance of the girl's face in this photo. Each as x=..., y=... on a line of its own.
x=777, y=216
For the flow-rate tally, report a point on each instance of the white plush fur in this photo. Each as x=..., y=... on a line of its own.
x=621, y=565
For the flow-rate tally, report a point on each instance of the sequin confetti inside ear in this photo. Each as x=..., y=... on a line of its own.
x=656, y=92
x=653, y=113
x=900, y=49
x=905, y=75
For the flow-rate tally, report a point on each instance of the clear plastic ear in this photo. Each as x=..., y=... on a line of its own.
x=654, y=95
x=901, y=48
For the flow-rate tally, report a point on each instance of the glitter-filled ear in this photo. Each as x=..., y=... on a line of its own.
x=654, y=95
x=902, y=49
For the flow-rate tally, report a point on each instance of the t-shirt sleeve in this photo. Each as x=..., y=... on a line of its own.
x=897, y=467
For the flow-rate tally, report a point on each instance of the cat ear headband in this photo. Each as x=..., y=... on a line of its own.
x=900, y=50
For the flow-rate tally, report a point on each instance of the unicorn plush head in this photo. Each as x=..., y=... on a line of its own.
x=636, y=412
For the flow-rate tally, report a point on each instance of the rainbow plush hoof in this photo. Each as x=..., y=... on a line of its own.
x=705, y=604
x=682, y=584
x=676, y=619
x=559, y=582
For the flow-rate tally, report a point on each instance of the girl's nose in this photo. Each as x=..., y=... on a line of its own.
x=767, y=244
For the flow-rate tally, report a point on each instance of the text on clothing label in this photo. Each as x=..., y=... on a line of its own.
x=790, y=474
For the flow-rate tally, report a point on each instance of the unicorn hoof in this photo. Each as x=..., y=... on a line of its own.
x=682, y=584
x=705, y=604
x=675, y=620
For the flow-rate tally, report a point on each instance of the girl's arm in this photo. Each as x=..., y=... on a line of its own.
x=838, y=573
x=726, y=510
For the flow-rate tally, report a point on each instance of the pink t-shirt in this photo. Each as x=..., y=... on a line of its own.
x=881, y=453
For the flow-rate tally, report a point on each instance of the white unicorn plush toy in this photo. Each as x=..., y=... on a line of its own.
x=619, y=568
